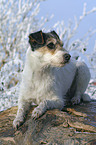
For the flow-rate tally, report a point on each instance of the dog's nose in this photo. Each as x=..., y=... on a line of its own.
x=67, y=56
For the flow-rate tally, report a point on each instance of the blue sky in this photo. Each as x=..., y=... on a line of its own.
x=67, y=9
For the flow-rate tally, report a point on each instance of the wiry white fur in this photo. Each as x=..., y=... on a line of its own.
x=46, y=83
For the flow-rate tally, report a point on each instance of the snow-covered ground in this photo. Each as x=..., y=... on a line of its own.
x=9, y=98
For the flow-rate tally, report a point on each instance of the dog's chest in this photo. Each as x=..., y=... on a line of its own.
x=41, y=83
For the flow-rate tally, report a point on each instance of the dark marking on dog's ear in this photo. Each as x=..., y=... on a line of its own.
x=37, y=40
x=55, y=34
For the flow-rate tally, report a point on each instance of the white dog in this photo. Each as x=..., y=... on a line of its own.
x=50, y=79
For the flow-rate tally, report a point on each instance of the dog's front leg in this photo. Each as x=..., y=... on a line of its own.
x=23, y=109
x=47, y=105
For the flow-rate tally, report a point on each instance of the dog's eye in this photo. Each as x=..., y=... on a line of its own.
x=51, y=45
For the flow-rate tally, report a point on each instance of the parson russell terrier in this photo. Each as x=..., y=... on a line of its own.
x=51, y=78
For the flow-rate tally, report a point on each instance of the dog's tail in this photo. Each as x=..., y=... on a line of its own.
x=86, y=98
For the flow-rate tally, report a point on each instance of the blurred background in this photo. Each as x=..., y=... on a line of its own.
x=74, y=21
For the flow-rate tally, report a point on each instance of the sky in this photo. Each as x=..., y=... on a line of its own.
x=67, y=9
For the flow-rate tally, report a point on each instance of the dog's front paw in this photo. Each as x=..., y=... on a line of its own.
x=37, y=112
x=18, y=122
x=75, y=100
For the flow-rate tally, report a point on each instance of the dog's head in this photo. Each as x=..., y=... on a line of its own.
x=49, y=48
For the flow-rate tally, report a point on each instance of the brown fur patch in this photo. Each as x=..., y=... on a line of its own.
x=58, y=46
x=45, y=50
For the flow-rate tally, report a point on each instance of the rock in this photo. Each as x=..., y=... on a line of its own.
x=71, y=126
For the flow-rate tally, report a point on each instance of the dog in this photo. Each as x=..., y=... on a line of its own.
x=51, y=78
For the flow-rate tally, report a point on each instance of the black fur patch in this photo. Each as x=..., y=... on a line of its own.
x=38, y=39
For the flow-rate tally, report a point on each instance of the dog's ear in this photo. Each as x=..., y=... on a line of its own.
x=55, y=34
x=36, y=40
